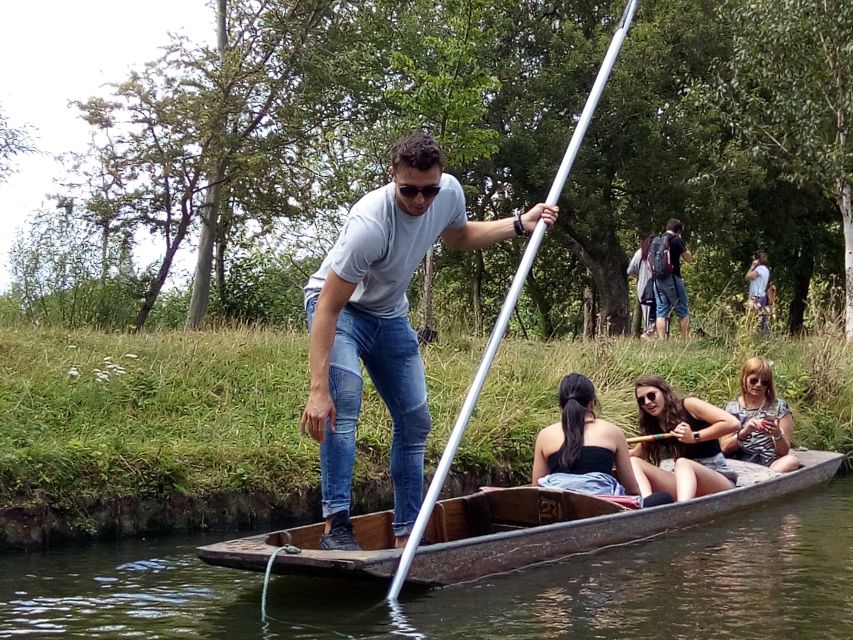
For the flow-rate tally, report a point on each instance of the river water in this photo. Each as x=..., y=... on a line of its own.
x=783, y=570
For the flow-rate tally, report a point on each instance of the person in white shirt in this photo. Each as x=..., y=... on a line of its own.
x=758, y=276
x=639, y=267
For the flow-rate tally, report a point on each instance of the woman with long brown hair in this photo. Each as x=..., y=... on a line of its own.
x=766, y=422
x=696, y=426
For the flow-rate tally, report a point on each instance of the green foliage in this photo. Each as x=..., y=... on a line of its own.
x=785, y=93
x=88, y=415
x=263, y=290
x=14, y=141
x=300, y=139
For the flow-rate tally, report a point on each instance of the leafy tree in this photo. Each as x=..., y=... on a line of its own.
x=638, y=162
x=14, y=141
x=262, y=59
x=788, y=94
x=59, y=277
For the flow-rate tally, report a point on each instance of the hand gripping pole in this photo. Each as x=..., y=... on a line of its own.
x=443, y=467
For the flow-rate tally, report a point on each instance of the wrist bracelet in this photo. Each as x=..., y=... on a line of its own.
x=519, y=225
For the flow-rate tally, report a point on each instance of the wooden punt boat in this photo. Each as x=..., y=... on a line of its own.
x=497, y=531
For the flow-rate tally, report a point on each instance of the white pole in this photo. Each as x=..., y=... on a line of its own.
x=443, y=467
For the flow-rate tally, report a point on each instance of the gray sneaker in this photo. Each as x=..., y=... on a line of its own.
x=340, y=536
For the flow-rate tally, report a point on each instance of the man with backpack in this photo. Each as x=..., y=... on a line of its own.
x=665, y=255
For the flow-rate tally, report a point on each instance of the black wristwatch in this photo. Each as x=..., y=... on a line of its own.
x=695, y=436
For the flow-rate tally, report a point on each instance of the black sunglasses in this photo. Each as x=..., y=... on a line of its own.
x=651, y=396
x=408, y=191
x=754, y=381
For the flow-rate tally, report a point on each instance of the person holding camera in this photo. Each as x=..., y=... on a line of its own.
x=758, y=276
x=766, y=429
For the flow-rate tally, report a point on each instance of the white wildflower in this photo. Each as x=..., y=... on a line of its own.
x=71, y=346
x=132, y=356
x=73, y=373
x=102, y=376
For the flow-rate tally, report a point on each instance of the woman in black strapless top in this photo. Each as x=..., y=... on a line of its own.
x=581, y=451
x=700, y=468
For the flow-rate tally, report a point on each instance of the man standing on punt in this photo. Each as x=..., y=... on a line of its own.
x=357, y=311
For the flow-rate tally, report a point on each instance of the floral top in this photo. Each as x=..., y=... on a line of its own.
x=758, y=443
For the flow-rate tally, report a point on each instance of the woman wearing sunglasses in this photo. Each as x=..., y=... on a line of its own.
x=696, y=426
x=766, y=422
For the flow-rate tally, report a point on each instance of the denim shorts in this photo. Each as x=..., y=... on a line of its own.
x=670, y=294
x=719, y=464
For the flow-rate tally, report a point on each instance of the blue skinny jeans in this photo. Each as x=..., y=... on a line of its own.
x=388, y=348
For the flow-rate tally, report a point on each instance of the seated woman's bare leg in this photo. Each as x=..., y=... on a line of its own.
x=652, y=478
x=785, y=464
x=693, y=479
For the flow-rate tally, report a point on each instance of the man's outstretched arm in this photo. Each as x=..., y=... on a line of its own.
x=479, y=235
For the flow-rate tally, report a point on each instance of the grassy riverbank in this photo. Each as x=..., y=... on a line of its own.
x=86, y=414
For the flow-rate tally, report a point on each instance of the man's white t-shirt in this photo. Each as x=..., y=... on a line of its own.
x=381, y=246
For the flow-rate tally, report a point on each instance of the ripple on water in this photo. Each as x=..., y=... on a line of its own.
x=782, y=570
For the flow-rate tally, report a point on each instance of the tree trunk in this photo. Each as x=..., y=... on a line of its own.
x=156, y=286
x=204, y=262
x=845, y=203
x=637, y=327
x=221, y=246
x=610, y=282
x=429, y=276
x=802, y=273
x=477, y=293
x=210, y=214
x=590, y=313
x=542, y=308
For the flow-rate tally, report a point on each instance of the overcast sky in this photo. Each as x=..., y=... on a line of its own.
x=53, y=51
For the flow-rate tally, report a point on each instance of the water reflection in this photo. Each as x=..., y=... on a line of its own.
x=784, y=570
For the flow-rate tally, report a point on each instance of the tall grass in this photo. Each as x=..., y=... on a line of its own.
x=85, y=414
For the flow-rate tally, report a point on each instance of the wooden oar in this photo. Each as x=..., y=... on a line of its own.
x=651, y=438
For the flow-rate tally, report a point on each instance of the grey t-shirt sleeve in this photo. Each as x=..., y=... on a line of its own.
x=733, y=407
x=458, y=216
x=361, y=243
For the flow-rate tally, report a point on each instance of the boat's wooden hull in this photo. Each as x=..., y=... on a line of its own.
x=558, y=524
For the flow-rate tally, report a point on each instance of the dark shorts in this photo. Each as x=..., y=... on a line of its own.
x=755, y=457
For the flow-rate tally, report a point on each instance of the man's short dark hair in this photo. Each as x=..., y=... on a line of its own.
x=674, y=225
x=418, y=150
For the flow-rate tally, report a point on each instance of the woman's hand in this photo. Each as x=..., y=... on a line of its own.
x=751, y=426
x=683, y=433
x=771, y=426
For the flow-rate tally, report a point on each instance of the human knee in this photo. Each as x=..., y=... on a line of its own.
x=413, y=426
x=684, y=465
x=346, y=388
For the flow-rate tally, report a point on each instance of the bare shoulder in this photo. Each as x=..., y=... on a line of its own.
x=693, y=404
x=549, y=435
x=603, y=433
x=605, y=426
x=703, y=409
